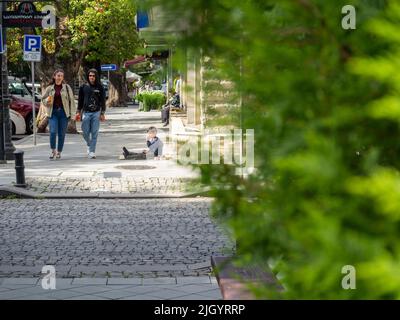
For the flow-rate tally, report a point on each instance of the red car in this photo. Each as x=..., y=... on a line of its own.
x=24, y=107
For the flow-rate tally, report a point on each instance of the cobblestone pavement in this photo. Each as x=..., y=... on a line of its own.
x=109, y=238
x=109, y=185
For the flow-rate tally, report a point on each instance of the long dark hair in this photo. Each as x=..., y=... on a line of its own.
x=53, y=81
x=97, y=82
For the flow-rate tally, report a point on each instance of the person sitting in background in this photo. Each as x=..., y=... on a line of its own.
x=154, y=146
x=174, y=101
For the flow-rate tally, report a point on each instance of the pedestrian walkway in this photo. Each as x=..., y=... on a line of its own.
x=75, y=174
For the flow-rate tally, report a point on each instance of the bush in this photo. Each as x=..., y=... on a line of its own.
x=151, y=100
x=324, y=104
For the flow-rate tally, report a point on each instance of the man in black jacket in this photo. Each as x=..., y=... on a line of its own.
x=92, y=106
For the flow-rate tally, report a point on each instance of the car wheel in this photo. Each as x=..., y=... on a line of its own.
x=29, y=124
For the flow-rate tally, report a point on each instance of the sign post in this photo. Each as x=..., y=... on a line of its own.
x=108, y=68
x=32, y=53
x=1, y=40
x=3, y=127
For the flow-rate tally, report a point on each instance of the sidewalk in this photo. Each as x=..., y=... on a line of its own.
x=109, y=174
x=158, y=247
x=166, y=288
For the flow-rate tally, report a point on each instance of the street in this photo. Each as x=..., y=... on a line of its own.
x=109, y=238
x=123, y=240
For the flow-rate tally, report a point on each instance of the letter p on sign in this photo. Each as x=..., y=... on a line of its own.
x=31, y=44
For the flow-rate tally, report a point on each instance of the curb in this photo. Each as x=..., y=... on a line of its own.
x=22, y=193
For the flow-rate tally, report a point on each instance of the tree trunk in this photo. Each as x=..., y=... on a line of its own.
x=117, y=93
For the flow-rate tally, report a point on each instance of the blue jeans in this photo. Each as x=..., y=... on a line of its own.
x=58, y=123
x=90, y=128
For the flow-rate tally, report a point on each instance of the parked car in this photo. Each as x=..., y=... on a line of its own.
x=24, y=108
x=18, y=125
x=20, y=88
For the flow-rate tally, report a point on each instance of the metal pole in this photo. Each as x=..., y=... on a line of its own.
x=20, y=168
x=33, y=103
x=5, y=130
x=3, y=158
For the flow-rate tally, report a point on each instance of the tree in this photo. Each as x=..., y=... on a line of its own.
x=87, y=33
x=323, y=102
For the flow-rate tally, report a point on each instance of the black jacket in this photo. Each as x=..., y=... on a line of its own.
x=91, y=95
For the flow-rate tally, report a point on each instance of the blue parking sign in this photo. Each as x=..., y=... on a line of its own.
x=32, y=47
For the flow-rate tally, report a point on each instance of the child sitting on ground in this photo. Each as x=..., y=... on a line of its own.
x=154, y=146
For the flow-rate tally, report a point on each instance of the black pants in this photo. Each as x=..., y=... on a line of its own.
x=165, y=114
x=136, y=156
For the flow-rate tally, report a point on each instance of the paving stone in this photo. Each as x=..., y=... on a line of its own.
x=113, y=294
x=126, y=281
x=41, y=297
x=169, y=293
x=197, y=288
x=157, y=281
x=12, y=294
x=89, y=281
x=87, y=297
x=20, y=281
x=213, y=294
x=141, y=297
x=141, y=290
x=193, y=297
x=101, y=238
x=92, y=289
x=193, y=280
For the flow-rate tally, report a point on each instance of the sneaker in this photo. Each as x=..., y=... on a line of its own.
x=126, y=152
x=52, y=156
x=92, y=155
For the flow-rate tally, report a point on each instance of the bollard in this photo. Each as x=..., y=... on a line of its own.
x=20, y=168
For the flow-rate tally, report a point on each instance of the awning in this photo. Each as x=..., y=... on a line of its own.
x=130, y=76
x=134, y=61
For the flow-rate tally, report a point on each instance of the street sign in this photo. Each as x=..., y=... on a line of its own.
x=1, y=40
x=108, y=67
x=142, y=20
x=33, y=53
x=32, y=48
x=25, y=15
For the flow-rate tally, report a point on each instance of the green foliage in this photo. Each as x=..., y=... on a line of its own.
x=151, y=100
x=108, y=27
x=324, y=104
x=93, y=30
